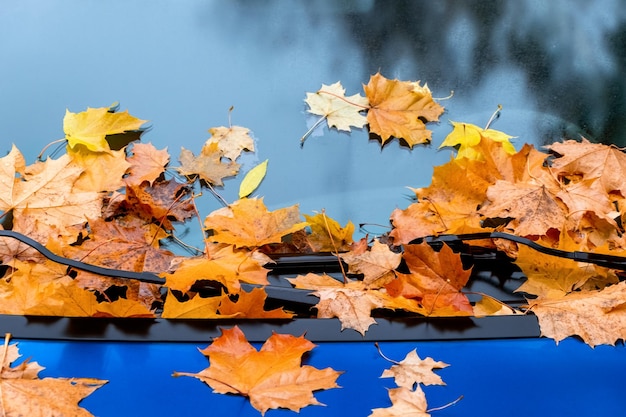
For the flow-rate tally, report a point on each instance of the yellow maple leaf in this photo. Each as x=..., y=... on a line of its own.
x=90, y=128
x=467, y=137
x=101, y=171
x=271, y=378
x=250, y=305
x=327, y=235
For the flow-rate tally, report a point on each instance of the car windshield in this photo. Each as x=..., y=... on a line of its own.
x=555, y=68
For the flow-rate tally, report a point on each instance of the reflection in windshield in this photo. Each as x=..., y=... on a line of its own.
x=556, y=68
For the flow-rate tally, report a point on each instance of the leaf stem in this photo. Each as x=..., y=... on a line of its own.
x=494, y=116
x=380, y=352
x=308, y=132
x=332, y=241
x=204, y=238
x=430, y=410
x=344, y=99
x=54, y=142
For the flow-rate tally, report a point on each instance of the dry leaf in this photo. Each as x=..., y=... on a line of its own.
x=146, y=164
x=397, y=109
x=23, y=393
x=230, y=141
x=327, y=235
x=340, y=111
x=90, y=128
x=405, y=403
x=271, y=378
x=377, y=265
x=248, y=223
x=413, y=370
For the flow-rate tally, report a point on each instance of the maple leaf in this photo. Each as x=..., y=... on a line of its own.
x=271, y=378
x=339, y=111
x=101, y=171
x=23, y=393
x=549, y=276
x=405, y=402
x=467, y=137
x=598, y=317
x=125, y=243
x=194, y=308
x=351, y=302
x=227, y=266
x=327, y=235
x=397, y=109
x=163, y=201
x=90, y=128
x=413, y=370
x=46, y=192
x=146, y=164
x=533, y=208
x=606, y=164
x=377, y=265
x=436, y=279
x=208, y=165
x=250, y=305
x=248, y=223
x=230, y=141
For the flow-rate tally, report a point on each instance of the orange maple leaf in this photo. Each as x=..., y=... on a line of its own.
x=248, y=223
x=436, y=280
x=397, y=109
x=46, y=192
x=194, y=308
x=23, y=393
x=249, y=305
x=146, y=164
x=271, y=378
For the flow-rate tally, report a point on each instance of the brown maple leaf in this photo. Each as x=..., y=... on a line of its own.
x=399, y=109
x=352, y=303
x=248, y=223
x=597, y=316
x=146, y=164
x=377, y=265
x=271, y=378
x=436, y=280
x=162, y=202
x=208, y=165
x=532, y=207
x=604, y=163
x=23, y=393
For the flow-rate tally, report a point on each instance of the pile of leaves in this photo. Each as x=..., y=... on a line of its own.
x=114, y=202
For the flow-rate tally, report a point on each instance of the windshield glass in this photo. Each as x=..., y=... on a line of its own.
x=557, y=71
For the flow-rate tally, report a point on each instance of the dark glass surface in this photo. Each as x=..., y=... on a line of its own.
x=556, y=67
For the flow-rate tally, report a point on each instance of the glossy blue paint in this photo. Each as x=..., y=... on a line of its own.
x=506, y=377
